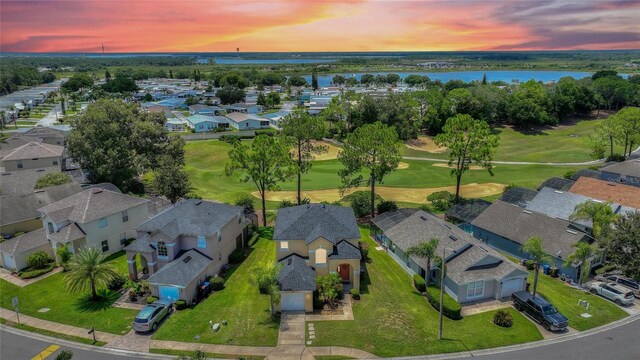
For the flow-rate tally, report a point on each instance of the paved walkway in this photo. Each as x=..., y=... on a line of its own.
x=56, y=327
x=6, y=275
x=131, y=342
x=484, y=306
x=347, y=312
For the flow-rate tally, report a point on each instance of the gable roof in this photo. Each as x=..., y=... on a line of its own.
x=90, y=205
x=182, y=270
x=296, y=275
x=192, y=217
x=25, y=242
x=308, y=222
x=21, y=207
x=23, y=181
x=33, y=150
x=69, y=232
x=628, y=168
x=519, y=225
x=345, y=250
x=239, y=117
x=615, y=192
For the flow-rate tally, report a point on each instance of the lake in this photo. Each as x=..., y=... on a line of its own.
x=468, y=76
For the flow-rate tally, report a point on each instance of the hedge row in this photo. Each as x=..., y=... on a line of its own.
x=450, y=309
x=30, y=274
x=419, y=283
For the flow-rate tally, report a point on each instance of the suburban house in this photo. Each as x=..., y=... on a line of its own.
x=19, y=212
x=626, y=172
x=204, y=123
x=160, y=109
x=315, y=240
x=200, y=109
x=34, y=155
x=243, y=121
x=507, y=228
x=13, y=252
x=174, y=124
x=244, y=108
x=622, y=194
x=474, y=271
x=96, y=218
x=186, y=243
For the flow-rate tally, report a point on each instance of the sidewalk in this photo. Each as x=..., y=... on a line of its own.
x=56, y=327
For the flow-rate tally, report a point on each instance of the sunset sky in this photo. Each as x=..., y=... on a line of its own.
x=331, y=25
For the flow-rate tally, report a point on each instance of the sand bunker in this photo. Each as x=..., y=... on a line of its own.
x=472, y=167
x=425, y=143
x=402, y=166
x=330, y=154
x=412, y=195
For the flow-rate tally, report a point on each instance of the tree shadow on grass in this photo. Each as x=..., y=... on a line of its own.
x=365, y=280
x=266, y=232
x=86, y=304
x=272, y=322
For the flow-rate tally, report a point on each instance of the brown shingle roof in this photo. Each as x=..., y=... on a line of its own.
x=603, y=190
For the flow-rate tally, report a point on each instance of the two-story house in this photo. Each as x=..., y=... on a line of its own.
x=34, y=155
x=183, y=245
x=315, y=240
x=96, y=218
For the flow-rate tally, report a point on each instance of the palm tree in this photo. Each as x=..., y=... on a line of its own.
x=583, y=253
x=599, y=213
x=426, y=250
x=267, y=280
x=536, y=252
x=88, y=271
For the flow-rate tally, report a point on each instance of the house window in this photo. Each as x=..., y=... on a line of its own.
x=55, y=162
x=103, y=223
x=162, y=249
x=202, y=242
x=50, y=227
x=19, y=164
x=321, y=256
x=284, y=245
x=475, y=289
x=125, y=216
x=105, y=246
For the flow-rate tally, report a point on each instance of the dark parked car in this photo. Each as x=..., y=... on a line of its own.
x=621, y=280
x=540, y=310
x=150, y=316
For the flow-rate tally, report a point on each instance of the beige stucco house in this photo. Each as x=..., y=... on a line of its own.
x=34, y=155
x=315, y=240
x=96, y=218
x=183, y=245
x=14, y=252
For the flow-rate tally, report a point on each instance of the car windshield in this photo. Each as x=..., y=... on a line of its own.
x=628, y=295
x=145, y=314
x=549, y=310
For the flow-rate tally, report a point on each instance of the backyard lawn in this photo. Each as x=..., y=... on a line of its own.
x=206, y=160
x=240, y=304
x=393, y=319
x=70, y=309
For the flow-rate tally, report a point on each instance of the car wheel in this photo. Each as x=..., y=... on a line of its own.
x=518, y=306
x=154, y=327
x=594, y=291
x=546, y=326
x=618, y=302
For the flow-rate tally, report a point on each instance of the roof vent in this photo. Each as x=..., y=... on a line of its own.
x=453, y=237
x=198, y=203
x=97, y=190
x=572, y=232
x=423, y=217
x=558, y=192
x=187, y=259
x=527, y=212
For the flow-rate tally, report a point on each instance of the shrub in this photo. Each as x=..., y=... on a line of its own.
x=425, y=207
x=63, y=253
x=65, y=355
x=503, y=318
x=52, y=179
x=441, y=200
x=386, y=205
x=217, y=283
x=268, y=132
x=31, y=273
x=285, y=203
x=361, y=203
x=237, y=256
x=450, y=308
x=133, y=295
x=181, y=304
x=117, y=283
x=569, y=174
x=364, y=250
x=151, y=299
x=38, y=260
x=606, y=268
x=419, y=283
x=246, y=201
x=355, y=294
x=529, y=264
x=616, y=158
x=232, y=139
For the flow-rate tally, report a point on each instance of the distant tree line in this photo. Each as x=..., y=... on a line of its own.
x=14, y=78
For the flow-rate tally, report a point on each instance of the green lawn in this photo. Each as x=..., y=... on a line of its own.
x=51, y=333
x=206, y=160
x=393, y=319
x=207, y=354
x=564, y=144
x=69, y=309
x=245, y=309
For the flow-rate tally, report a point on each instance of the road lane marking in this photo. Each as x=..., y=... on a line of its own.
x=46, y=352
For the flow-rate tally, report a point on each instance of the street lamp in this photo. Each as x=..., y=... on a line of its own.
x=442, y=273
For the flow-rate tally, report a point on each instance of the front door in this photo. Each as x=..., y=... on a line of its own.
x=344, y=272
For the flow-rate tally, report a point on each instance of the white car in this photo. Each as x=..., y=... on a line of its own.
x=612, y=291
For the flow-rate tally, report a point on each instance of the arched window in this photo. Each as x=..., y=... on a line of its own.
x=162, y=249
x=321, y=256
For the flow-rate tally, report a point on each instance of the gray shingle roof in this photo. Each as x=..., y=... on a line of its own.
x=141, y=244
x=629, y=168
x=181, y=273
x=91, y=204
x=25, y=242
x=34, y=149
x=308, y=222
x=16, y=208
x=68, y=233
x=296, y=275
x=519, y=225
x=192, y=217
x=23, y=181
x=412, y=228
x=345, y=250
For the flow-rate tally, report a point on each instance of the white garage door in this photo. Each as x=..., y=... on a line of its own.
x=9, y=262
x=292, y=302
x=170, y=293
x=511, y=285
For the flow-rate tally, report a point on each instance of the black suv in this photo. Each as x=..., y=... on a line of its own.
x=540, y=310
